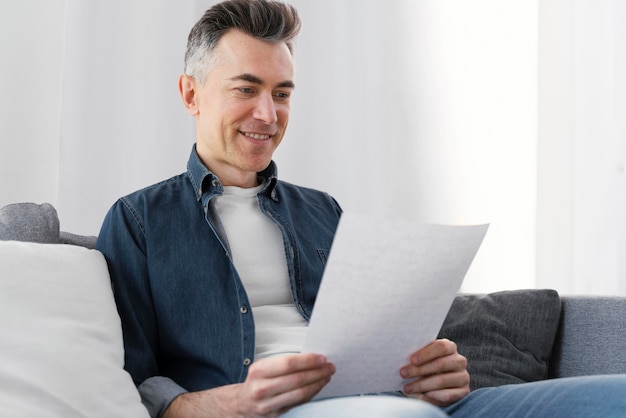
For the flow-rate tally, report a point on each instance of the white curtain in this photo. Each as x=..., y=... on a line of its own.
x=122, y=125
x=430, y=110
x=581, y=241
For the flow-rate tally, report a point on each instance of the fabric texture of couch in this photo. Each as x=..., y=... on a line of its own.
x=58, y=305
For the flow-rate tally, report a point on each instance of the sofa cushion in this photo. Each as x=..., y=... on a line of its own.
x=61, y=351
x=506, y=336
x=29, y=222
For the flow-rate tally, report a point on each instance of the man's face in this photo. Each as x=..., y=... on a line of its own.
x=242, y=109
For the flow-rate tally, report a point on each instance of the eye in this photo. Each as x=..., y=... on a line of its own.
x=246, y=90
x=281, y=95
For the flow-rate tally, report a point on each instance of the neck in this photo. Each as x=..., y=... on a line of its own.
x=232, y=176
x=228, y=174
x=241, y=181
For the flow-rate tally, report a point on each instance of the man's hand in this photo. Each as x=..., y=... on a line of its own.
x=273, y=386
x=440, y=374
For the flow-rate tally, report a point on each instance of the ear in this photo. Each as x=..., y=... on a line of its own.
x=187, y=90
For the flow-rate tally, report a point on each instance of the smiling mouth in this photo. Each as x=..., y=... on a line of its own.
x=258, y=137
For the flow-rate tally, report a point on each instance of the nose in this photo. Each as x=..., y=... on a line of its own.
x=265, y=109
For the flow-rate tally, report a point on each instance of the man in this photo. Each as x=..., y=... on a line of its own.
x=216, y=270
x=194, y=257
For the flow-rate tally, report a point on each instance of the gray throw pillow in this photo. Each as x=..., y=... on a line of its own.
x=506, y=336
x=29, y=222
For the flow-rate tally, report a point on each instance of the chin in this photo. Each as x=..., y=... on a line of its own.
x=258, y=165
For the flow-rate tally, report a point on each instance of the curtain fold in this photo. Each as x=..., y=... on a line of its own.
x=122, y=125
x=581, y=243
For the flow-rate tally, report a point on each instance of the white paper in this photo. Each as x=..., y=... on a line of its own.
x=385, y=293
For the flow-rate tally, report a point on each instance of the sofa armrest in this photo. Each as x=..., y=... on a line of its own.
x=591, y=337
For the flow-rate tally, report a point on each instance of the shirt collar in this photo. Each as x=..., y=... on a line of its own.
x=205, y=182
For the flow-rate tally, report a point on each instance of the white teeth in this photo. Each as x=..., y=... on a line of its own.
x=257, y=136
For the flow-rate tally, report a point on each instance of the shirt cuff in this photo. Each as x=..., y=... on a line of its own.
x=157, y=393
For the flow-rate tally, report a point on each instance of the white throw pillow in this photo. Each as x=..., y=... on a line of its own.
x=61, y=350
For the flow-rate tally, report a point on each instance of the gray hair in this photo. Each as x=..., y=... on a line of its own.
x=267, y=20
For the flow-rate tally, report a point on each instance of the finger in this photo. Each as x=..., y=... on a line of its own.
x=446, y=364
x=435, y=349
x=439, y=382
x=280, y=366
x=296, y=395
x=302, y=379
x=438, y=356
x=272, y=377
x=284, y=392
x=445, y=397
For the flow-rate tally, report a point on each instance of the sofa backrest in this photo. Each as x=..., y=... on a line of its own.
x=591, y=337
x=32, y=222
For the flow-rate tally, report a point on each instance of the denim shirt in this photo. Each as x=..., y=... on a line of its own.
x=185, y=314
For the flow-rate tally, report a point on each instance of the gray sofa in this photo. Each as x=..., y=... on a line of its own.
x=508, y=337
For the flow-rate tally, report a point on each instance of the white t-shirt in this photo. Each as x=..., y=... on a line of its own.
x=257, y=250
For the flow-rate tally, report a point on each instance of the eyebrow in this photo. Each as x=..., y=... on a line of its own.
x=256, y=80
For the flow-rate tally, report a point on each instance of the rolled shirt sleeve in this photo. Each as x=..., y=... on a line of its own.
x=157, y=393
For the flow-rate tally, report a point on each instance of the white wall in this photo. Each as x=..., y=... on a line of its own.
x=31, y=53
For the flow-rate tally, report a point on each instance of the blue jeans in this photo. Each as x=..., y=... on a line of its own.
x=368, y=406
x=577, y=397
x=574, y=397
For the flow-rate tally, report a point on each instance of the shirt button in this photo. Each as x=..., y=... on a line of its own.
x=243, y=309
x=246, y=362
x=214, y=183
